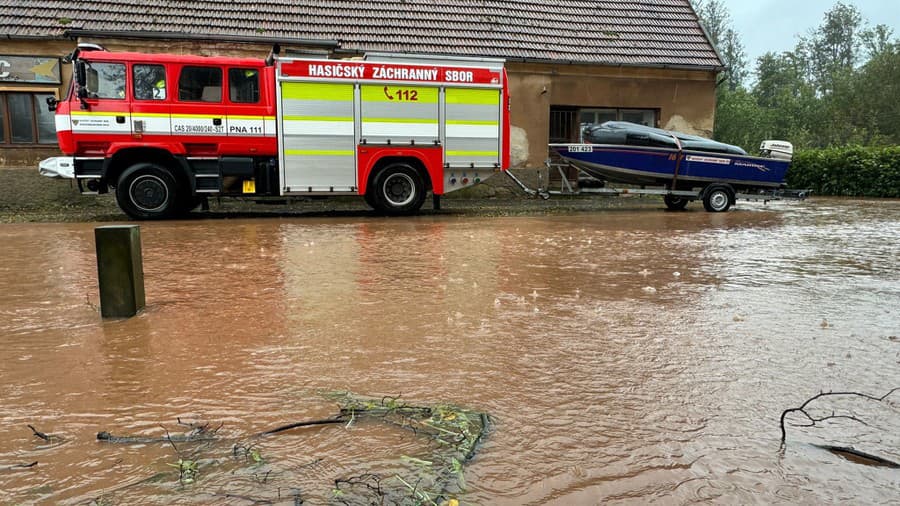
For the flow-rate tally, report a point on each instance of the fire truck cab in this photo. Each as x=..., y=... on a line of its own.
x=166, y=131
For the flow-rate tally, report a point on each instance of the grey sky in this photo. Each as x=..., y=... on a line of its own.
x=773, y=25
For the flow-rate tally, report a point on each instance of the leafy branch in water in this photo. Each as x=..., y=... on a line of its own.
x=454, y=431
x=454, y=434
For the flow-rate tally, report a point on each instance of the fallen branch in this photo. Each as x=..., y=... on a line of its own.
x=177, y=438
x=813, y=420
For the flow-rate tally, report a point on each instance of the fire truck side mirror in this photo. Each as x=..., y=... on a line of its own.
x=51, y=103
x=81, y=81
x=80, y=74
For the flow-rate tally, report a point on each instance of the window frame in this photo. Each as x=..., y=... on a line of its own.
x=231, y=88
x=619, y=113
x=32, y=92
x=124, y=90
x=134, y=83
x=222, y=88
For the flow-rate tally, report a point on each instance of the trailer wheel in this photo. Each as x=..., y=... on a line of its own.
x=398, y=189
x=675, y=203
x=147, y=191
x=717, y=198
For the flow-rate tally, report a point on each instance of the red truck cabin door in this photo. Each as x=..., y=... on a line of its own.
x=151, y=90
x=248, y=109
x=198, y=113
x=104, y=116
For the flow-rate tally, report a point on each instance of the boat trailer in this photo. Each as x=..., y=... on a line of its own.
x=716, y=197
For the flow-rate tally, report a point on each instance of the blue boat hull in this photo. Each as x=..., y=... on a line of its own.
x=658, y=166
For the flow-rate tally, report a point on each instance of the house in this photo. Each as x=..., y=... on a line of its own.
x=570, y=62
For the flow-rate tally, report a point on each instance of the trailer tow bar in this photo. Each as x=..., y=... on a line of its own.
x=533, y=193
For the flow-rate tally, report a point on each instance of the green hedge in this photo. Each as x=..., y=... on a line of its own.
x=847, y=171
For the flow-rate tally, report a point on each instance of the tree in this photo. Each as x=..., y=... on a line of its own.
x=716, y=20
x=832, y=50
x=877, y=41
x=877, y=88
x=785, y=98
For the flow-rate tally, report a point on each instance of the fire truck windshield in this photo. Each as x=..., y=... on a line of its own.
x=105, y=80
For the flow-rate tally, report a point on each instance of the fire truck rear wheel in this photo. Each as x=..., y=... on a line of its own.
x=398, y=189
x=147, y=191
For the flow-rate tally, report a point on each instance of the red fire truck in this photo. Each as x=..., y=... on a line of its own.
x=164, y=132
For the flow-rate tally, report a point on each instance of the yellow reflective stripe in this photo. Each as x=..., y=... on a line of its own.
x=101, y=113
x=318, y=152
x=401, y=94
x=427, y=121
x=468, y=96
x=166, y=115
x=471, y=153
x=317, y=118
x=472, y=122
x=317, y=91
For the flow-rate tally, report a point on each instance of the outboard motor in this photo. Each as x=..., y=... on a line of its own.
x=779, y=150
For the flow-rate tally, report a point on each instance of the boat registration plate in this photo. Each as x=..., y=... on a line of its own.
x=581, y=148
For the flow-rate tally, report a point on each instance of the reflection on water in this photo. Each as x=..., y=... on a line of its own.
x=625, y=356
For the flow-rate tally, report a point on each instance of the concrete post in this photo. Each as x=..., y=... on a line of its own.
x=120, y=270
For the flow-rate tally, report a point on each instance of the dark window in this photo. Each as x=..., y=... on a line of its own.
x=200, y=84
x=562, y=124
x=26, y=119
x=243, y=85
x=588, y=117
x=46, y=120
x=21, y=118
x=105, y=80
x=149, y=82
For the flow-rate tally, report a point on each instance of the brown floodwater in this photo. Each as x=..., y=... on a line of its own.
x=624, y=356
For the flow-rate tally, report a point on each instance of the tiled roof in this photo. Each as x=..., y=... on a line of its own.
x=616, y=32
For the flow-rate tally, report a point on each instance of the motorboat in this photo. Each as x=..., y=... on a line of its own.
x=628, y=153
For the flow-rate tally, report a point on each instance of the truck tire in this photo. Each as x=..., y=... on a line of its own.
x=147, y=191
x=717, y=198
x=397, y=189
x=675, y=203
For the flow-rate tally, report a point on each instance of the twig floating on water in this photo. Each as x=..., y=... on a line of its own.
x=40, y=434
x=326, y=421
x=13, y=467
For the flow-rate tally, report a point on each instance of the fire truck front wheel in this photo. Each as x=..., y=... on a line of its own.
x=147, y=191
x=397, y=189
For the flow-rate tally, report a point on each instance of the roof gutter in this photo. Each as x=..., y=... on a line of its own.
x=145, y=35
x=550, y=61
x=664, y=66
